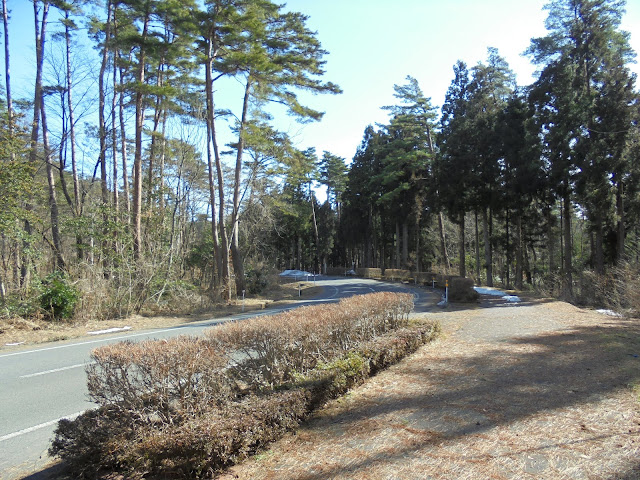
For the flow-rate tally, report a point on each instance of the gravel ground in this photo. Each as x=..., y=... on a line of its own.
x=535, y=390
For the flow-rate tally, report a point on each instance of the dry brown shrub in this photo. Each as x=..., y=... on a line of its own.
x=172, y=408
x=205, y=444
x=388, y=349
x=269, y=351
x=91, y=442
x=618, y=289
x=158, y=380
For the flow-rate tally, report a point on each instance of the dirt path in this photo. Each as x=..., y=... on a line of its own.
x=538, y=390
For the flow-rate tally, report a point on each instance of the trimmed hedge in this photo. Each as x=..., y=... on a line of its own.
x=170, y=411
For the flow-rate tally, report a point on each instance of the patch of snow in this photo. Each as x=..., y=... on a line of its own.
x=512, y=298
x=489, y=291
x=109, y=330
x=14, y=344
x=611, y=313
x=497, y=293
x=296, y=273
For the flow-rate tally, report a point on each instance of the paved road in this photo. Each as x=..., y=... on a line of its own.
x=39, y=386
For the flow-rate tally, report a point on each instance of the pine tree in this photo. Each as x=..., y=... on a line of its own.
x=490, y=87
x=361, y=211
x=583, y=58
x=407, y=157
x=455, y=164
x=333, y=174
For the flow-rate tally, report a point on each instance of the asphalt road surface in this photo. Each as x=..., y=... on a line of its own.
x=39, y=386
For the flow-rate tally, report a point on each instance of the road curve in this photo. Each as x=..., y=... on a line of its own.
x=39, y=386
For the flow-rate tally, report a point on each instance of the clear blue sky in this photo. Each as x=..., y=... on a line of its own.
x=374, y=44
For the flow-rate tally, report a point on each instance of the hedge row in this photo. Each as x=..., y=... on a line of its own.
x=188, y=407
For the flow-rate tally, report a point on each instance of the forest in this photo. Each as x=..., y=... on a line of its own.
x=148, y=167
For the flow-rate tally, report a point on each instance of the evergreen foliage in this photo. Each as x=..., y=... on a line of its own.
x=182, y=176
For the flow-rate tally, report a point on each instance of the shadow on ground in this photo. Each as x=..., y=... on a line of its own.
x=53, y=472
x=551, y=372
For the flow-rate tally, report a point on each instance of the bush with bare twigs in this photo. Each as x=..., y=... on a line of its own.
x=618, y=289
x=266, y=353
x=159, y=380
x=189, y=407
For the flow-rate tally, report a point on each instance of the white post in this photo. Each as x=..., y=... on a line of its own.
x=446, y=291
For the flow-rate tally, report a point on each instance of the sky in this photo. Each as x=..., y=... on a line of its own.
x=374, y=44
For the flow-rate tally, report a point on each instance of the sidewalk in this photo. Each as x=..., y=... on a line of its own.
x=537, y=390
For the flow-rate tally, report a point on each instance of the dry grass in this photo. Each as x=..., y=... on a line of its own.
x=33, y=331
x=542, y=390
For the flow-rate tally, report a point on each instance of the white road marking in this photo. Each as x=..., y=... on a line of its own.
x=37, y=374
x=213, y=321
x=38, y=427
x=109, y=330
x=123, y=337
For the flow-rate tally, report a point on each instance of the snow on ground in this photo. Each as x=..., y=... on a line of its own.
x=611, y=313
x=497, y=293
x=296, y=273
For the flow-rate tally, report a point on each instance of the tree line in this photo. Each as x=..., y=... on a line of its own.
x=124, y=167
x=538, y=181
x=149, y=161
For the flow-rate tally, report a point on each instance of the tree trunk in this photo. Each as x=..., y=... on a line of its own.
x=123, y=148
x=212, y=150
x=551, y=241
x=114, y=141
x=368, y=241
x=568, y=250
x=508, y=252
x=3, y=265
x=72, y=127
x=443, y=242
x=519, y=252
x=488, y=260
x=53, y=203
x=137, y=162
x=157, y=115
x=7, y=70
x=418, y=246
x=397, y=245
x=620, y=227
x=462, y=252
x=405, y=245
x=477, y=249
x=163, y=155
x=238, y=261
x=40, y=33
x=315, y=231
x=102, y=129
x=599, y=254
x=118, y=73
